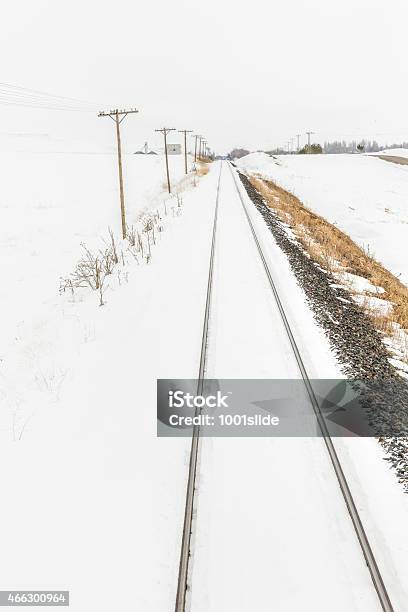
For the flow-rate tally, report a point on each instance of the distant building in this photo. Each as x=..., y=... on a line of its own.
x=145, y=150
x=174, y=149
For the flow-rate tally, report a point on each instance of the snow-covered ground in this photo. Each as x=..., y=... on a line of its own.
x=364, y=196
x=270, y=516
x=251, y=550
x=94, y=500
x=52, y=199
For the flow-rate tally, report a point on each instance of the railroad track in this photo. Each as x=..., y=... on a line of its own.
x=183, y=577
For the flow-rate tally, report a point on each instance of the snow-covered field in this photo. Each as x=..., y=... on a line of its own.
x=364, y=196
x=94, y=500
x=50, y=203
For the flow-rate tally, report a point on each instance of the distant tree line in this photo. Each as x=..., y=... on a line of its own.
x=314, y=148
x=237, y=153
x=341, y=146
x=335, y=146
x=367, y=146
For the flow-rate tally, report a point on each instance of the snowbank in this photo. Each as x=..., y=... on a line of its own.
x=364, y=196
x=392, y=152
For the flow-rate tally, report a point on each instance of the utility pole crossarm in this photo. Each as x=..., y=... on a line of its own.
x=117, y=112
x=166, y=130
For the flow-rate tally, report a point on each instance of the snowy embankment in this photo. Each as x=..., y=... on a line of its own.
x=365, y=197
x=94, y=500
x=392, y=152
x=270, y=509
x=50, y=203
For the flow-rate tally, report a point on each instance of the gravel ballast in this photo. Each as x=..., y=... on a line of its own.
x=356, y=343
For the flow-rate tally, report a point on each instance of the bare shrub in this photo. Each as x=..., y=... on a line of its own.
x=113, y=247
x=131, y=235
x=133, y=251
x=147, y=232
x=107, y=261
x=91, y=271
x=87, y=272
x=139, y=243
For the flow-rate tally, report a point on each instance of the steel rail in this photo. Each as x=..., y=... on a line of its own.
x=347, y=495
x=182, y=581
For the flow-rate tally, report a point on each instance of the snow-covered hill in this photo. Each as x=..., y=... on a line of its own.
x=365, y=196
x=393, y=152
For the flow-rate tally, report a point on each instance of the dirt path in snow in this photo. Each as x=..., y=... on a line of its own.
x=394, y=159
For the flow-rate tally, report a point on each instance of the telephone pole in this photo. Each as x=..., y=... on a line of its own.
x=115, y=114
x=200, y=147
x=196, y=137
x=185, y=132
x=308, y=140
x=165, y=131
x=298, y=145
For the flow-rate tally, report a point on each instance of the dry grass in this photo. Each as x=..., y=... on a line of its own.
x=336, y=252
x=202, y=168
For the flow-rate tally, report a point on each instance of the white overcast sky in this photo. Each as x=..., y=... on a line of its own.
x=244, y=73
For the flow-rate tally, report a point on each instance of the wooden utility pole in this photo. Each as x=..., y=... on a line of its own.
x=185, y=132
x=197, y=136
x=115, y=114
x=298, y=145
x=165, y=131
x=308, y=140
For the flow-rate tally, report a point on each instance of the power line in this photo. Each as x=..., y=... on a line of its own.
x=43, y=99
x=25, y=90
x=32, y=102
x=14, y=95
x=42, y=107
